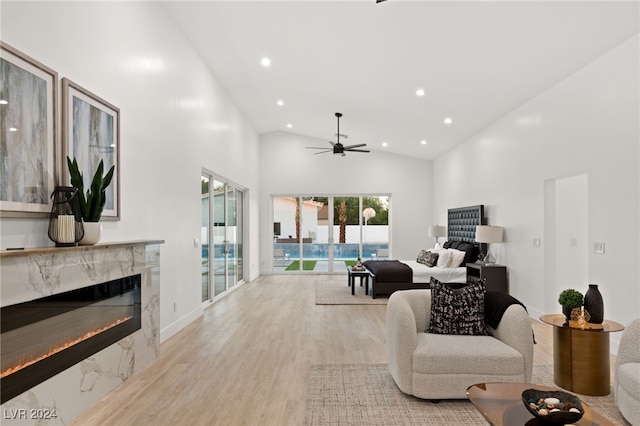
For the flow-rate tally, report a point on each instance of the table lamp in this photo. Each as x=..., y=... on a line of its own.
x=437, y=231
x=486, y=234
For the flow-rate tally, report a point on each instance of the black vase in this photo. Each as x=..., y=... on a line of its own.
x=594, y=305
x=566, y=310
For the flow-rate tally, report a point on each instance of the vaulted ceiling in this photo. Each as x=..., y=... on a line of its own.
x=475, y=61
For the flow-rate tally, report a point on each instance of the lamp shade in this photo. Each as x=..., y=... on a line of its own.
x=489, y=234
x=437, y=231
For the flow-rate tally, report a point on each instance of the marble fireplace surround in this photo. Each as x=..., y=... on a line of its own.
x=38, y=272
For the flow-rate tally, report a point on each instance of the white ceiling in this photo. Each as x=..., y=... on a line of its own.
x=476, y=61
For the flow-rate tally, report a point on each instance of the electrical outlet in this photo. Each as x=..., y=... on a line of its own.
x=598, y=248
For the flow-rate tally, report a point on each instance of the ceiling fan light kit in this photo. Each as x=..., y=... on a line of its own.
x=337, y=147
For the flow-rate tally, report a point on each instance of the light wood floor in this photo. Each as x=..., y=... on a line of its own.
x=247, y=360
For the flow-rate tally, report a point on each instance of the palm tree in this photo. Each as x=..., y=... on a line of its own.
x=297, y=220
x=342, y=217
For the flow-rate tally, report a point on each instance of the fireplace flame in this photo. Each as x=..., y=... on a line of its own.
x=54, y=349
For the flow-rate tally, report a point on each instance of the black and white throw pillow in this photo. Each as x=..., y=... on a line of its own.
x=457, y=311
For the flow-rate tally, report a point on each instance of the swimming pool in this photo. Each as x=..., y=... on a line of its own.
x=321, y=251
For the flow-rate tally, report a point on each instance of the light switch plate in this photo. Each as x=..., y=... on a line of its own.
x=598, y=248
x=536, y=242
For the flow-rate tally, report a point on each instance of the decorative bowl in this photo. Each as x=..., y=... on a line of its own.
x=533, y=399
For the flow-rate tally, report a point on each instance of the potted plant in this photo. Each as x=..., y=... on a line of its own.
x=92, y=201
x=570, y=299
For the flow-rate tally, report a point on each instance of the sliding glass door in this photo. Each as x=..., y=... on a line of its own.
x=222, y=247
x=328, y=233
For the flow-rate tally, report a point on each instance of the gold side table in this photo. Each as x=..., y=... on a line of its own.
x=581, y=356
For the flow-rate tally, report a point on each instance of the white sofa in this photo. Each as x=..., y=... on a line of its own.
x=438, y=366
x=626, y=380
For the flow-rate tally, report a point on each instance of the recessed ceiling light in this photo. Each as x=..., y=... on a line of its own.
x=448, y=120
x=385, y=144
x=420, y=92
x=423, y=142
x=13, y=129
x=289, y=125
x=3, y=102
x=280, y=102
x=265, y=62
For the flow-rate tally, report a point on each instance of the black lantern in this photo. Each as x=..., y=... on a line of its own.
x=65, y=222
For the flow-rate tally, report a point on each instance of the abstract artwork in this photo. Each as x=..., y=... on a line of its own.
x=28, y=138
x=91, y=133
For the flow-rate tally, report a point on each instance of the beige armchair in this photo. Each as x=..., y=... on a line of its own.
x=626, y=379
x=439, y=366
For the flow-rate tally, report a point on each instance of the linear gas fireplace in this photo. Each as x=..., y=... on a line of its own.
x=43, y=337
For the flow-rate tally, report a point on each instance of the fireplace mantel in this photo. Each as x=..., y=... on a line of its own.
x=30, y=251
x=32, y=273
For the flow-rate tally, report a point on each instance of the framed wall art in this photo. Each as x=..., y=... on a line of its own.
x=28, y=143
x=91, y=133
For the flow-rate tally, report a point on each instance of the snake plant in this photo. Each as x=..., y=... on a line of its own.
x=92, y=202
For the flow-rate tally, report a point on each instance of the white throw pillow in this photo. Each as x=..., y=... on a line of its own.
x=444, y=258
x=436, y=247
x=457, y=257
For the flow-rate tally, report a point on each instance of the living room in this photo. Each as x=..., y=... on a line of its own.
x=177, y=120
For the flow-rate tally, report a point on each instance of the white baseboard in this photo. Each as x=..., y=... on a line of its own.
x=181, y=323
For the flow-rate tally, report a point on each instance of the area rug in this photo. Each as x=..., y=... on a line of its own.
x=365, y=394
x=336, y=292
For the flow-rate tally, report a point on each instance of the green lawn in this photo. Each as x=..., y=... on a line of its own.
x=307, y=265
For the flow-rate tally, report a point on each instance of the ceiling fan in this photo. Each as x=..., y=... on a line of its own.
x=337, y=147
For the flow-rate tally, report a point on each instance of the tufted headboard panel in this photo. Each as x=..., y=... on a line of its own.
x=462, y=223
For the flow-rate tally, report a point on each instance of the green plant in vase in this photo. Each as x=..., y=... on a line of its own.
x=93, y=201
x=570, y=299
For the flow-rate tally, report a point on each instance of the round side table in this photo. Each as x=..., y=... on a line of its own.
x=581, y=356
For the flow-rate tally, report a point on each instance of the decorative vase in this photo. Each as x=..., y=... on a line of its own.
x=92, y=232
x=566, y=310
x=594, y=304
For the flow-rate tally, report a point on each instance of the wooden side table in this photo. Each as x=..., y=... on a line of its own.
x=581, y=357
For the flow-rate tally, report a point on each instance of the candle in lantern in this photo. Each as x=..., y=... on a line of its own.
x=66, y=228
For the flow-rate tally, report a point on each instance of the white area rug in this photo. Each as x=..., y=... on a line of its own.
x=365, y=394
x=335, y=291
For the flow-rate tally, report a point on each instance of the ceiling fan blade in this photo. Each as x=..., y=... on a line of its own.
x=322, y=152
x=316, y=147
x=355, y=146
x=357, y=150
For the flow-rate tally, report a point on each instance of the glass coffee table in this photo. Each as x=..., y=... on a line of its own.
x=501, y=405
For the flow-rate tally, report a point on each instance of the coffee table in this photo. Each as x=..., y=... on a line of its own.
x=501, y=405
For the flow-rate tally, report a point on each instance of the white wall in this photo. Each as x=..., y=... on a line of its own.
x=287, y=168
x=586, y=124
x=572, y=237
x=175, y=120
